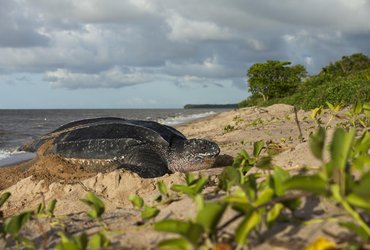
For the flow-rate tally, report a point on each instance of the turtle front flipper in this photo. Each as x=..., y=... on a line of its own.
x=146, y=162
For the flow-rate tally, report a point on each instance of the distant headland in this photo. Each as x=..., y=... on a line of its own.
x=211, y=106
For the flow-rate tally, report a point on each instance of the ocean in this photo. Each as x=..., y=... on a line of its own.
x=21, y=126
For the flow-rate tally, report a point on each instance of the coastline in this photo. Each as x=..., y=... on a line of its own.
x=51, y=179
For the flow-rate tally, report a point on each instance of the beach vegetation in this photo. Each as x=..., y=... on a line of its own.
x=260, y=200
x=229, y=128
x=84, y=241
x=347, y=65
x=340, y=83
x=237, y=119
x=274, y=79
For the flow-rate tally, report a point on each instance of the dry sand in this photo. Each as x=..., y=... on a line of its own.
x=50, y=177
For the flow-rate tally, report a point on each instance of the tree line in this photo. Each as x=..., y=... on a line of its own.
x=340, y=82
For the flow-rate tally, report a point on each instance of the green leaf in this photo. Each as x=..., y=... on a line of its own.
x=257, y=147
x=199, y=185
x=15, y=223
x=264, y=197
x=162, y=188
x=82, y=240
x=264, y=162
x=175, y=244
x=361, y=162
x=366, y=109
x=51, y=206
x=357, y=109
x=335, y=192
x=242, y=159
x=30, y=244
x=195, y=188
x=250, y=186
x=292, y=204
x=310, y=183
x=356, y=229
x=279, y=176
x=63, y=237
x=3, y=198
x=340, y=150
x=315, y=112
x=98, y=241
x=237, y=197
x=136, y=201
x=69, y=245
x=199, y=201
x=189, y=230
x=97, y=206
x=74, y=243
x=361, y=189
x=243, y=154
x=362, y=145
x=273, y=214
x=358, y=201
x=210, y=215
x=330, y=106
x=40, y=208
x=340, y=147
x=149, y=212
x=249, y=222
x=189, y=178
x=181, y=189
x=317, y=142
x=230, y=177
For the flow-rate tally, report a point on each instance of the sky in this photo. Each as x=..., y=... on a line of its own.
x=163, y=53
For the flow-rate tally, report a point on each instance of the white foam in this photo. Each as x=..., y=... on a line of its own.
x=181, y=119
x=13, y=156
x=5, y=154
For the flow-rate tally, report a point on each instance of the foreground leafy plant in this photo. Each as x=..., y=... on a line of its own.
x=96, y=205
x=336, y=179
x=46, y=211
x=193, y=187
x=83, y=241
x=258, y=200
x=13, y=226
x=3, y=198
x=195, y=232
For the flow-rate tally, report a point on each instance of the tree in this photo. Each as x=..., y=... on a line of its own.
x=347, y=65
x=274, y=79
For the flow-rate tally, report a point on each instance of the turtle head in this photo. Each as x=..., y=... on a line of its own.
x=193, y=154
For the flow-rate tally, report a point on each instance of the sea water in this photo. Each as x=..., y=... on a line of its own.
x=21, y=126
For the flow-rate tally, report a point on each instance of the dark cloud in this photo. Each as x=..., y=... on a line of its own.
x=112, y=44
x=21, y=38
x=17, y=28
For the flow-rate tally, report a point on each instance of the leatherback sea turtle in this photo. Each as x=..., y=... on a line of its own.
x=146, y=147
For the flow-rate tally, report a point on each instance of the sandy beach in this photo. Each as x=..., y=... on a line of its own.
x=44, y=179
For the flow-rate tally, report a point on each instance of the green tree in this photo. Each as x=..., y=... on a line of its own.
x=347, y=65
x=275, y=79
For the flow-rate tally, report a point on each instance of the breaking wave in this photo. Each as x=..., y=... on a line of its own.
x=13, y=156
x=182, y=119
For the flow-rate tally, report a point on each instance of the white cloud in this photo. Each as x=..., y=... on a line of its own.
x=112, y=78
x=184, y=30
x=208, y=68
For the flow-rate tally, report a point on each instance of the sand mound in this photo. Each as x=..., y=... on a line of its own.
x=114, y=188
